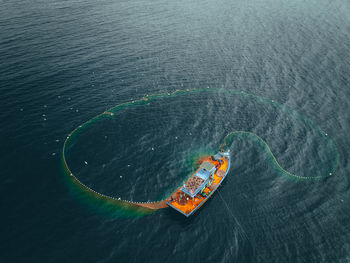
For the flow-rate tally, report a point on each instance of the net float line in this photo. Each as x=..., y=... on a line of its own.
x=270, y=154
x=110, y=113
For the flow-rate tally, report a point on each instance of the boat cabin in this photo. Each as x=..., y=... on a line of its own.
x=199, y=180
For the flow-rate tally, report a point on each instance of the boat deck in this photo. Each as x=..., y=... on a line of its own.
x=187, y=205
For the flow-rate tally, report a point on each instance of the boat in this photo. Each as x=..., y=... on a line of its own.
x=201, y=185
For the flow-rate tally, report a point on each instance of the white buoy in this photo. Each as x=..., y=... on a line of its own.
x=129, y=165
x=86, y=162
x=53, y=154
x=121, y=176
x=152, y=149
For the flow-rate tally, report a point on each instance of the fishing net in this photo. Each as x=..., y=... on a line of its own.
x=150, y=145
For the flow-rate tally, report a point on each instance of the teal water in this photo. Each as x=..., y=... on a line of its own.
x=64, y=62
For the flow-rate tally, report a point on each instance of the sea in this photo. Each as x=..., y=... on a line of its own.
x=275, y=69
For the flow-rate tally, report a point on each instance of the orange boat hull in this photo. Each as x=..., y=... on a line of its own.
x=187, y=205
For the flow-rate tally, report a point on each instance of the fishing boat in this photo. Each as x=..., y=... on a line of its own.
x=201, y=185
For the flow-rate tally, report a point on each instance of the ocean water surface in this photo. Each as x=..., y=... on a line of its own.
x=64, y=62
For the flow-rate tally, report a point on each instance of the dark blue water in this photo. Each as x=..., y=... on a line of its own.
x=64, y=62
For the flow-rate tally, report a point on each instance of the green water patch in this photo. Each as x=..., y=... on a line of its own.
x=140, y=151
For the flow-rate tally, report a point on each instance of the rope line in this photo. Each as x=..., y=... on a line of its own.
x=241, y=231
